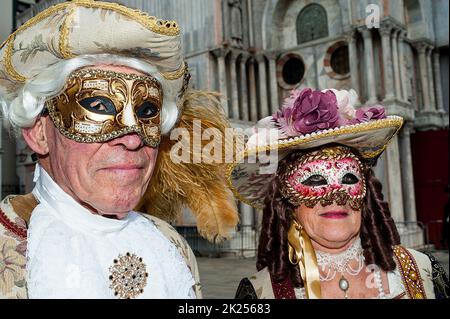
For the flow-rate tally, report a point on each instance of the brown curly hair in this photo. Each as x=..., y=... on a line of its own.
x=378, y=232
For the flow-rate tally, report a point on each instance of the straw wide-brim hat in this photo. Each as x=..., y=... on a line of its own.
x=248, y=177
x=87, y=27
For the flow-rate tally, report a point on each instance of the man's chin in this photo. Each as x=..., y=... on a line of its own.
x=116, y=216
x=119, y=209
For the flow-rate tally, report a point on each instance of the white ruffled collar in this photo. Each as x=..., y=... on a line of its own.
x=68, y=210
x=72, y=253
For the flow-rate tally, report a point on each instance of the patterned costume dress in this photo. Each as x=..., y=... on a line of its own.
x=15, y=213
x=417, y=276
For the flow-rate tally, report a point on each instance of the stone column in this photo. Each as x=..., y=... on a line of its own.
x=244, y=90
x=234, y=85
x=385, y=32
x=437, y=81
x=262, y=82
x=252, y=91
x=395, y=64
x=246, y=215
x=370, y=69
x=248, y=234
x=394, y=180
x=421, y=48
x=409, y=199
x=402, y=53
x=274, y=103
x=429, y=54
x=222, y=77
x=353, y=57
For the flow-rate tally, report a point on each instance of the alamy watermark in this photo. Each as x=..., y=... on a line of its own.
x=373, y=16
x=211, y=146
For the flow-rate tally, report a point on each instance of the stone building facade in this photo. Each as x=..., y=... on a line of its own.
x=394, y=53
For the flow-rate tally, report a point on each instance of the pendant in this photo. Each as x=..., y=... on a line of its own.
x=128, y=276
x=344, y=285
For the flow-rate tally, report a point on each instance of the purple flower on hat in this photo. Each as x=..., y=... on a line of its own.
x=345, y=102
x=370, y=113
x=308, y=111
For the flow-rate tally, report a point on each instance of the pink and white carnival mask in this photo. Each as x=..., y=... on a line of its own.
x=326, y=176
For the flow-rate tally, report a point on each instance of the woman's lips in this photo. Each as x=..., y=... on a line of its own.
x=334, y=214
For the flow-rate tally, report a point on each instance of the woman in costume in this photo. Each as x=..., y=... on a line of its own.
x=326, y=230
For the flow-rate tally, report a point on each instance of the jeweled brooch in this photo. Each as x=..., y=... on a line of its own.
x=128, y=276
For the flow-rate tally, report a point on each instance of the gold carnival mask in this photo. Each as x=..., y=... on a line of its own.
x=330, y=175
x=99, y=105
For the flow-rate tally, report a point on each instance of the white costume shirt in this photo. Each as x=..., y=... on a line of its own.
x=71, y=252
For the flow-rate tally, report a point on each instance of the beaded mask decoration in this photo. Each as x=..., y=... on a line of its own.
x=99, y=105
x=330, y=175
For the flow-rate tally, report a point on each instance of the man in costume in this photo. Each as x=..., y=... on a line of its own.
x=326, y=230
x=95, y=89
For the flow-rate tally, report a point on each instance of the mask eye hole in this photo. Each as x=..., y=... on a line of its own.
x=99, y=105
x=315, y=180
x=147, y=110
x=350, y=179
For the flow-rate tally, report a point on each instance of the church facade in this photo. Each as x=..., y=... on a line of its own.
x=393, y=53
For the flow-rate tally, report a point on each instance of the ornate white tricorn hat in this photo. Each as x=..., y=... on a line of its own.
x=87, y=27
x=308, y=119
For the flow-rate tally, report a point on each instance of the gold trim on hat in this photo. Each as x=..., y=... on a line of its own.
x=7, y=62
x=164, y=27
x=7, y=59
x=175, y=74
x=392, y=121
x=64, y=36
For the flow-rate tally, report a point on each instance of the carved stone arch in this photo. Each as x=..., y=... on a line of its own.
x=272, y=23
x=280, y=16
x=413, y=11
x=312, y=23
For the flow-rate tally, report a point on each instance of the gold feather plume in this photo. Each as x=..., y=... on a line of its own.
x=199, y=186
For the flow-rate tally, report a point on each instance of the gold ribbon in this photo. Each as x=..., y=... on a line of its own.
x=301, y=253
